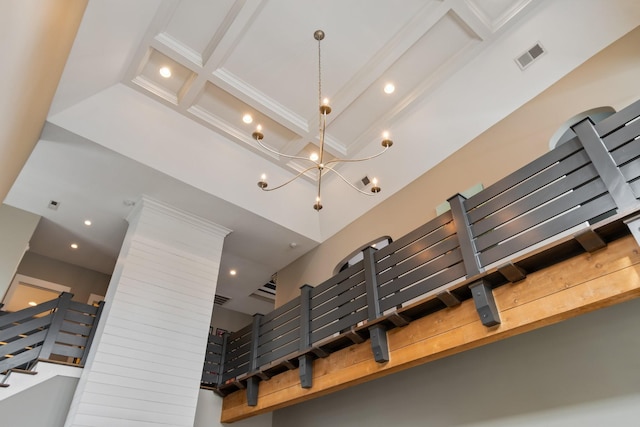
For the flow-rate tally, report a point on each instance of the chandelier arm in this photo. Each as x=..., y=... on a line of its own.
x=357, y=160
x=259, y=141
x=292, y=179
x=345, y=180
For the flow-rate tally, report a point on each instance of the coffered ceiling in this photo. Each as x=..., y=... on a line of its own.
x=233, y=58
x=182, y=139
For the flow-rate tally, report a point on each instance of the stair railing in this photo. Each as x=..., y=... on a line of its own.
x=60, y=330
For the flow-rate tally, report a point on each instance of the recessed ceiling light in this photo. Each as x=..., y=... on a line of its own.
x=247, y=118
x=389, y=88
x=87, y=222
x=165, y=72
x=32, y=303
x=74, y=246
x=233, y=272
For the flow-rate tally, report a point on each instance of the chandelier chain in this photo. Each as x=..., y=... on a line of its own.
x=319, y=85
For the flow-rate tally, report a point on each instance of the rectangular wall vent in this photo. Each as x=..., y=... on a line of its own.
x=268, y=290
x=529, y=56
x=220, y=300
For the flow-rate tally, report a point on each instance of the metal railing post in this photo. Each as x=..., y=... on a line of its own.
x=378, y=332
x=465, y=239
x=223, y=359
x=56, y=323
x=253, y=380
x=305, y=366
x=605, y=165
x=92, y=333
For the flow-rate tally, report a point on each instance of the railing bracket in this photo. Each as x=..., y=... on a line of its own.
x=321, y=353
x=238, y=383
x=485, y=304
x=263, y=375
x=512, y=272
x=398, y=319
x=355, y=336
x=448, y=299
x=590, y=240
x=289, y=365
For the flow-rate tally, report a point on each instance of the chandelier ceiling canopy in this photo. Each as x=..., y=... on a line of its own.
x=317, y=161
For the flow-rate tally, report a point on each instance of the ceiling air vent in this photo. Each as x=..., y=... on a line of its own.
x=220, y=300
x=267, y=292
x=530, y=55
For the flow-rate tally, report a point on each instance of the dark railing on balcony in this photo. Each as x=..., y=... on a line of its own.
x=59, y=330
x=573, y=199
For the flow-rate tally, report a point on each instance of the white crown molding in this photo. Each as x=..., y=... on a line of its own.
x=204, y=225
x=496, y=24
x=150, y=86
x=175, y=46
x=288, y=118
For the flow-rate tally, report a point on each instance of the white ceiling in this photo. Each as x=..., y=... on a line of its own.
x=116, y=130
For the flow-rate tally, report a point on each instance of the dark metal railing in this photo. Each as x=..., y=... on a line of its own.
x=60, y=330
x=573, y=199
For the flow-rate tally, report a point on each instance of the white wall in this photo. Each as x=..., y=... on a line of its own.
x=44, y=405
x=581, y=372
x=16, y=229
x=145, y=363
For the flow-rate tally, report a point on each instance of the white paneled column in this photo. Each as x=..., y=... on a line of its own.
x=145, y=365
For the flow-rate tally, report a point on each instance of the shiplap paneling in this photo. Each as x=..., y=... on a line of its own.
x=145, y=365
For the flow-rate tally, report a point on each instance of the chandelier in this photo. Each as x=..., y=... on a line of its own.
x=317, y=160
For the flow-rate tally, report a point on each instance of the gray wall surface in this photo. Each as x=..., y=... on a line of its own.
x=229, y=320
x=581, y=372
x=83, y=282
x=45, y=405
x=210, y=406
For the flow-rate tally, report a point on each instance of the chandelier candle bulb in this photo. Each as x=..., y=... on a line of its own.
x=258, y=135
x=324, y=107
x=386, y=142
x=263, y=181
x=374, y=187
